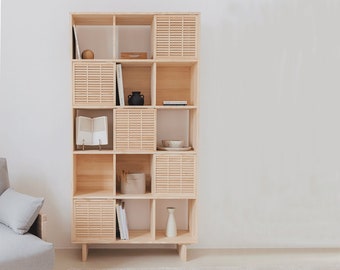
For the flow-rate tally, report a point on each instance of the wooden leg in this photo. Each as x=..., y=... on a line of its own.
x=182, y=252
x=84, y=252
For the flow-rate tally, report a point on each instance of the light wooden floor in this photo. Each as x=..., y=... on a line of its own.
x=267, y=259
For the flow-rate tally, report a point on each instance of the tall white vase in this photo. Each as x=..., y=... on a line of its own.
x=171, y=228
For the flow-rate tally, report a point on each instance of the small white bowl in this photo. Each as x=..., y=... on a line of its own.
x=173, y=143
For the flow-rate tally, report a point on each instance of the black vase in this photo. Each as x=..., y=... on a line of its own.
x=136, y=98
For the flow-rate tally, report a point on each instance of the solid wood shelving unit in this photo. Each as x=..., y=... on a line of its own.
x=170, y=72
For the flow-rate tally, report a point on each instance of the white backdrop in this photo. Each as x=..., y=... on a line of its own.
x=269, y=129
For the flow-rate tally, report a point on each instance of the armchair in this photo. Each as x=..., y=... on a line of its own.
x=22, y=245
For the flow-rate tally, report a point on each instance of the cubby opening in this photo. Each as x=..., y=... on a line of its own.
x=134, y=164
x=185, y=213
x=137, y=77
x=133, y=42
x=97, y=38
x=94, y=113
x=177, y=124
x=176, y=82
x=93, y=175
x=139, y=220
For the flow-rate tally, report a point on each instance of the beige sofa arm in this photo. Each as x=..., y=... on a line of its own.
x=39, y=226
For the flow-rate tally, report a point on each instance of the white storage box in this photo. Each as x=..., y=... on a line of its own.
x=133, y=183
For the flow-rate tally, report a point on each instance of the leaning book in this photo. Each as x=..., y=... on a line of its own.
x=91, y=131
x=120, y=85
x=75, y=37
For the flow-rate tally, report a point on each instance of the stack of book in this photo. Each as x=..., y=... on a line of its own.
x=122, y=229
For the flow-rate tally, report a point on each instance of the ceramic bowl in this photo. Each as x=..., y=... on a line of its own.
x=173, y=143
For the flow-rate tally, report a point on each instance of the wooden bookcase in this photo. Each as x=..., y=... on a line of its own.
x=169, y=72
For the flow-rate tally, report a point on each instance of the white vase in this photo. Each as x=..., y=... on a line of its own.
x=171, y=228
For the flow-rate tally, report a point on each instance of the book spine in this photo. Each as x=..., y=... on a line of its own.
x=120, y=220
x=125, y=225
x=120, y=84
x=78, y=55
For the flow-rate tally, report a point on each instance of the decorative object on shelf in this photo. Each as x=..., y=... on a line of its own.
x=132, y=183
x=173, y=143
x=185, y=148
x=87, y=54
x=171, y=227
x=136, y=98
x=91, y=131
x=133, y=55
x=175, y=102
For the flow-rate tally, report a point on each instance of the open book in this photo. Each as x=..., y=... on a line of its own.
x=91, y=131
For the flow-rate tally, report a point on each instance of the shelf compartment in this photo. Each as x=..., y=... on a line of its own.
x=176, y=36
x=93, y=175
x=133, y=34
x=133, y=39
x=97, y=38
x=137, y=77
x=185, y=216
x=175, y=174
x=134, y=163
x=177, y=124
x=135, y=129
x=176, y=82
x=94, y=220
x=94, y=83
x=139, y=219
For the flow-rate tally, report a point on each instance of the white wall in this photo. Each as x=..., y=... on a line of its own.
x=270, y=129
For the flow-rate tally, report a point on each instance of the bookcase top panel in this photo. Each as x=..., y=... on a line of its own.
x=92, y=19
x=119, y=18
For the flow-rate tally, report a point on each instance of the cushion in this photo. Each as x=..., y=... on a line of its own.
x=18, y=211
x=4, y=181
x=24, y=252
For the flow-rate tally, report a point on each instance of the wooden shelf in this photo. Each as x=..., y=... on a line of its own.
x=137, y=237
x=170, y=72
x=96, y=194
x=183, y=237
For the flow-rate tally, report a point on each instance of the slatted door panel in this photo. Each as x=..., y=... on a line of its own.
x=176, y=36
x=93, y=83
x=94, y=219
x=135, y=129
x=175, y=174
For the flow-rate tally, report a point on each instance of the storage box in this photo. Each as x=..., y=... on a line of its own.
x=133, y=55
x=133, y=183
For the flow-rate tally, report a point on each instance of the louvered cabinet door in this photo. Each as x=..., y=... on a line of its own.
x=175, y=174
x=94, y=220
x=93, y=83
x=135, y=129
x=176, y=36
